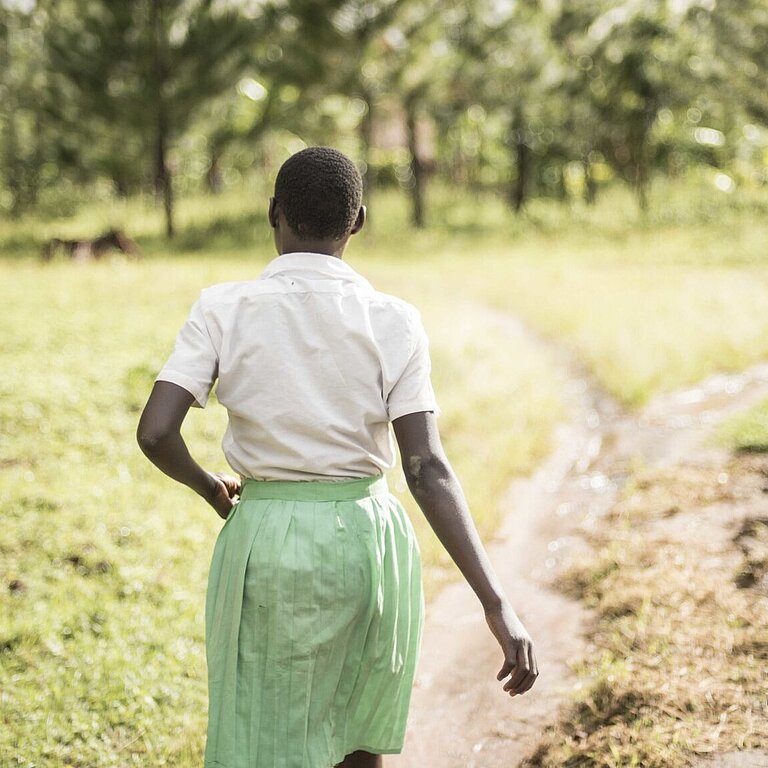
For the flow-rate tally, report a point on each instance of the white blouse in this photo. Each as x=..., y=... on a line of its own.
x=312, y=364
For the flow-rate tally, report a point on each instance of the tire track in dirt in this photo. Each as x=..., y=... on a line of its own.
x=460, y=717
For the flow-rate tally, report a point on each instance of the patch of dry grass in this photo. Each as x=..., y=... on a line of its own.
x=681, y=630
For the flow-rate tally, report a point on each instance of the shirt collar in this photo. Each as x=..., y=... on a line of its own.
x=318, y=264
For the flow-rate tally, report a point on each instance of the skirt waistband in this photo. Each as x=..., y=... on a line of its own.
x=314, y=490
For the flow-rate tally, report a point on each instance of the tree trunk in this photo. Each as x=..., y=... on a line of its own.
x=641, y=173
x=641, y=187
x=163, y=182
x=35, y=164
x=12, y=168
x=366, y=141
x=213, y=179
x=416, y=185
x=590, y=186
x=11, y=163
x=521, y=159
x=120, y=184
x=641, y=180
x=643, y=154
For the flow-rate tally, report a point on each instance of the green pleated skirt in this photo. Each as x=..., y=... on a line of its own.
x=313, y=620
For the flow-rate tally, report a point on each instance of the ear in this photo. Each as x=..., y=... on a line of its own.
x=359, y=221
x=272, y=213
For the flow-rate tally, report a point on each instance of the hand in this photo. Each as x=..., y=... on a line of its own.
x=515, y=642
x=225, y=493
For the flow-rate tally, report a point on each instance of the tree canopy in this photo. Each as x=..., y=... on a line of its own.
x=527, y=99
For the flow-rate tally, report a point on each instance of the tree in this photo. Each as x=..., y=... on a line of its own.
x=363, y=25
x=412, y=73
x=504, y=60
x=25, y=143
x=628, y=62
x=740, y=35
x=135, y=74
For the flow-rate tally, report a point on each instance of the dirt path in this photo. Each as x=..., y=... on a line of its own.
x=460, y=718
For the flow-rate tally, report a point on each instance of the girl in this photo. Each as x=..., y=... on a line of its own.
x=314, y=605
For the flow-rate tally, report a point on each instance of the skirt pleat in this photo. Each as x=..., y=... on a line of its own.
x=314, y=615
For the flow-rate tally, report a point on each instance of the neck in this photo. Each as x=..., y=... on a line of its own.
x=332, y=248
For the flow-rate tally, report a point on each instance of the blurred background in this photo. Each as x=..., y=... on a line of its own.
x=527, y=100
x=574, y=195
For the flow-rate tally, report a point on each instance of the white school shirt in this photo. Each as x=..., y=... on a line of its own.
x=312, y=365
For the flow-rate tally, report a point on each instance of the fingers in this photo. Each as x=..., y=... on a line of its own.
x=532, y=659
x=525, y=670
x=224, y=500
x=520, y=670
x=507, y=667
x=231, y=484
x=533, y=673
x=224, y=507
x=525, y=685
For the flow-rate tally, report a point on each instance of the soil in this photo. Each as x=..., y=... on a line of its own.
x=460, y=717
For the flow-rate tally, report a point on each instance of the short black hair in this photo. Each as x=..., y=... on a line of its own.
x=319, y=190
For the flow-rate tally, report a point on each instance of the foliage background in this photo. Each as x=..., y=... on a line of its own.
x=103, y=100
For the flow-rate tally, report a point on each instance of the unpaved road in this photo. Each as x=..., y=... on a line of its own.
x=460, y=717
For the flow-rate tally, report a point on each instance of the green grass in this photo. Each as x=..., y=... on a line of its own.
x=747, y=432
x=642, y=328
x=103, y=561
x=649, y=304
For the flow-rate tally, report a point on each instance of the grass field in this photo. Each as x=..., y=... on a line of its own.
x=649, y=303
x=104, y=560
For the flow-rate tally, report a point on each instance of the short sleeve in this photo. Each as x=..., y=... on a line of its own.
x=194, y=362
x=413, y=391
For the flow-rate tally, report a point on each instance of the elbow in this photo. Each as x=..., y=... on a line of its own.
x=147, y=441
x=424, y=473
x=150, y=440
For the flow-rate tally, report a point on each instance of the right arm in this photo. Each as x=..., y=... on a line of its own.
x=438, y=493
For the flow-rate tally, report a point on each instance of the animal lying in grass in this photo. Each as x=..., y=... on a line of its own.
x=91, y=250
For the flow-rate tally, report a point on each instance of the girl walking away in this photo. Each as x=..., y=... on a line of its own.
x=314, y=607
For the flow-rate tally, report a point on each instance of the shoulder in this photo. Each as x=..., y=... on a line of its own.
x=395, y=317
x=224, y=293
x=394, y=304
x=220, y=297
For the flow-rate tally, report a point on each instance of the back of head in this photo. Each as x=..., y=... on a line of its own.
x=319, y=191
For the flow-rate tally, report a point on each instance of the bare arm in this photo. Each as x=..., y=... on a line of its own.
x=438, y=493
x=159, y=437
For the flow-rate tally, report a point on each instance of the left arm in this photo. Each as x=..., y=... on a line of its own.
x=159, y=436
